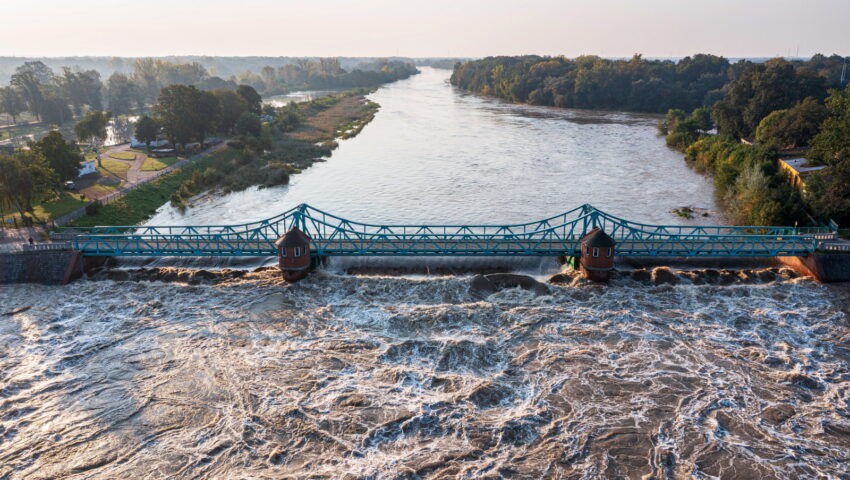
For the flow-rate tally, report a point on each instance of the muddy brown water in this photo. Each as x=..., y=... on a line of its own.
x=181, y=373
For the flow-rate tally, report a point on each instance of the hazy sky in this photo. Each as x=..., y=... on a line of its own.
x=423, y=28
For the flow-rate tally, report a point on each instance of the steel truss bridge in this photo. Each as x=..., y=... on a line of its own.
x=335, y=236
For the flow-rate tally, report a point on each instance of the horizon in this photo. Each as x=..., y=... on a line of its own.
x=440, y=29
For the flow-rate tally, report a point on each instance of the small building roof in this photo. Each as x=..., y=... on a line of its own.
x=598, y=238
x=799, y=165
x=293, y=238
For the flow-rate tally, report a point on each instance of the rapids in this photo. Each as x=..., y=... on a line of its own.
x=195, y=374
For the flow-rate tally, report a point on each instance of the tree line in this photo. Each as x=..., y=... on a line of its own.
x=55, y=98
x=326, y=73
x=779, y=105
x=643, y=85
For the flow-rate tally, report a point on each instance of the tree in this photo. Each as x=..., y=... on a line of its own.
x=208, y=115
x=829, y=189
x=121, y=93
x=12, y=103
x=81, y=88
x=26, y=180
x=186, y=113
x=250, y=95
x=92, y=128
x=30, y=88
x=249, y=124
x=792, y=127
x=761, y=89
x=55, y=111
x=232, y=106
x=146, y=130
x=62, y=157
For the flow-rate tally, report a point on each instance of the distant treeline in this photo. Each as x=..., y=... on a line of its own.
x=326, y=73
x=636, y=84
x=223, y=67
x=56, y=98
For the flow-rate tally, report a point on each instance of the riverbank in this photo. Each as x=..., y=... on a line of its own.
x=239, y=165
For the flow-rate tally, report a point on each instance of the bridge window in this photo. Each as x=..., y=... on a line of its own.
x=610, y=251
x=297, y=251
x=595, y=251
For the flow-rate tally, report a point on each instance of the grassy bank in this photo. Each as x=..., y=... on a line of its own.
x=267, y=160
x=270, y=159
x=141, y=203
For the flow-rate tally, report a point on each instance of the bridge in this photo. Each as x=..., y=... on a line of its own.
x=554, y=236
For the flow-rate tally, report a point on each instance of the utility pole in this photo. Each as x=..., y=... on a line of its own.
x=843, y=72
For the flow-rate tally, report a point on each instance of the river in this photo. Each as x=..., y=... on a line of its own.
x=434, y=154
x=663, y=373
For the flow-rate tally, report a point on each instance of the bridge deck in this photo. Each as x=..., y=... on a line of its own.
x=142, y=246
x=333, y=236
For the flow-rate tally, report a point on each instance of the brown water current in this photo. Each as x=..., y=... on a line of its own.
x=238, y=375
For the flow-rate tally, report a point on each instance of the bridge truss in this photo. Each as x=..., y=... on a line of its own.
x=336, y=236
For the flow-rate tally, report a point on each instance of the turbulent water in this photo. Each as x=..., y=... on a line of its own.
x=355, y=374
x=238, y=375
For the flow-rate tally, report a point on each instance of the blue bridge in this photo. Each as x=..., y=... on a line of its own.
x=554, y=236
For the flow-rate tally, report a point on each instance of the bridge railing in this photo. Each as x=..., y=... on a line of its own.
x=335, y=235
x=349, y=242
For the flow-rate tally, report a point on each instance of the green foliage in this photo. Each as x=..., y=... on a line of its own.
x=288, y=117
x=232, y=106
x=829, y=189
x=593, y=82
x=792, y=127
x=92, y=127
x=122, y=94
x=26, y=180
x=760, y=89
x=251, y=97
x=12, y=103
x=248, y=124
x=62, y=157
x=747, y=181
x=55, y=111
x=146, y=130
x=327, y=73
x=186, y=113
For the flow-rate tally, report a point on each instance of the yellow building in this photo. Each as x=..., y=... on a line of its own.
x=798, y=170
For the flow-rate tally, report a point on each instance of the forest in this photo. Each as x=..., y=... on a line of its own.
x=779, y=107
x=57, y=97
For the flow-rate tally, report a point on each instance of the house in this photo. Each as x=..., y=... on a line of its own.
x=798, y=169
x=748, y=141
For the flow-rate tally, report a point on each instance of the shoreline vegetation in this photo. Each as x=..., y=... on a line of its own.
x=733, y=121
x=181, y=108
x=301, y=135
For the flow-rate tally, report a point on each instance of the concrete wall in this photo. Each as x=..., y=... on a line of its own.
x=48, y=267
x=826, y=267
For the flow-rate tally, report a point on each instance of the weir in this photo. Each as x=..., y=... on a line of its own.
x=560, y=235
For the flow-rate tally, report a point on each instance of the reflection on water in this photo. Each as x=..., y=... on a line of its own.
x=433, y=154
x=295, y=97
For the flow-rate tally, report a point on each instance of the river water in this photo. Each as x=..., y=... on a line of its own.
x=185, y=373
x=433, y=154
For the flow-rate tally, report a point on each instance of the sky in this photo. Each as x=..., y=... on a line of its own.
x=425, y=28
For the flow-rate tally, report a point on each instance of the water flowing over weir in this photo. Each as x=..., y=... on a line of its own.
x=173, y=371
x=730, y=374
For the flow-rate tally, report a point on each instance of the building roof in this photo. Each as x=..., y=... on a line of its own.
x=293, y=238
x=799, y=165
x=598, y=238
